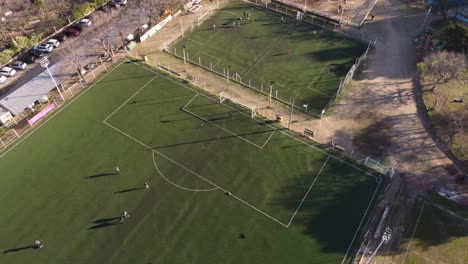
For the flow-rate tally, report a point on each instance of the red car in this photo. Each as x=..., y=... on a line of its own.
x=71, y=32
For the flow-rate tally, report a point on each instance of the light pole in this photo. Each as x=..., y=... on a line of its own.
x=271, y=91
x=45, y=63
x=227, y=75
x=387, y=235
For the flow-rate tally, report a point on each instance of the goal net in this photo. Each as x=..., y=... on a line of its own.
x=203, y=18
x=223, y=97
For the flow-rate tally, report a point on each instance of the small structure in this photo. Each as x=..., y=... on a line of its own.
x=5, y=116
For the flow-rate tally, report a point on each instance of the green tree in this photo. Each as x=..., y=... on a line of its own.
x=455, y=36
x=82, y=9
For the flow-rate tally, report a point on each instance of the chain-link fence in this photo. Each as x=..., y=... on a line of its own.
x=74, y=84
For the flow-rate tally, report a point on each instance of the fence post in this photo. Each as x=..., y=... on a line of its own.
x=14, y=131
x=199, y=60
x=1, y=141
x=249, y=83
x=211, y=66
x=261, y=88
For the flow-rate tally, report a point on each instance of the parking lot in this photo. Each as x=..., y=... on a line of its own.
x=124, y=19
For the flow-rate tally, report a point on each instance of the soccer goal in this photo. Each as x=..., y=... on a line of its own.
x=203, y=18
x=223, y=97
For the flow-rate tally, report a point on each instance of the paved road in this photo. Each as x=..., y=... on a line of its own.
x=125, y=19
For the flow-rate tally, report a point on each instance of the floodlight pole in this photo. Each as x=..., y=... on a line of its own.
x=341, y=17
x=227, y=75
x=271, y=91
x=387, y=235
x=290, y=113
x=427, y=14
x=45, y=63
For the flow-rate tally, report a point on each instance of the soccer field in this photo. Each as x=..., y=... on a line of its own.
x=256, y=47
x=214, y=173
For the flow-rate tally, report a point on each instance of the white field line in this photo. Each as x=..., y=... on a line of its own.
x=59, y=110
x=182, y=166
x=262, y=55
x=297, y=139
x=206, y=42
x=362, y=221
x=307, y=193
x=176, y=185
x=196, y=174
x=201, y=52
x=130, y=98
x=227, y=130
x=414, y=231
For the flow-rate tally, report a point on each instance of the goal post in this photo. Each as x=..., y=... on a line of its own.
x=223, y=97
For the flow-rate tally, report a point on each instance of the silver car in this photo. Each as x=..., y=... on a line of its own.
x=44, y=47
x=18, y=65
x=7, y=71
x=55, y=43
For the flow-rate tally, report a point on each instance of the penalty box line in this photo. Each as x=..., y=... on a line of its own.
x=227, y=130
x=198, y=175
x=173, y=161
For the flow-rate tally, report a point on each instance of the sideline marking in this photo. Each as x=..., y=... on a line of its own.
x=307, y=193
x=60, y=110
x=414, y=231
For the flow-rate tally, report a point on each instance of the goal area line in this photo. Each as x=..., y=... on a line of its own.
x=225, y=129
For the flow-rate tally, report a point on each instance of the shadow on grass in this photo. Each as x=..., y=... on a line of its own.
x=101, y=175
x=105, y=222
x=333, y=210
x=129, y=190
x=18, y=249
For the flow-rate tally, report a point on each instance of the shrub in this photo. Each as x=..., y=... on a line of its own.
x=82, y=9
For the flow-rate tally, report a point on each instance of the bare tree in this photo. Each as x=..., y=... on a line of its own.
x=153, y=10
x=70, y=49
x=104, y=45
x=443, y=66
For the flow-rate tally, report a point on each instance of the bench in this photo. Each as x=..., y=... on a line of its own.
x=190, y=77
x=308, y=133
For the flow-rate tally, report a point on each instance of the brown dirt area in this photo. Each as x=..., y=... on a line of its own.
x=379, y=115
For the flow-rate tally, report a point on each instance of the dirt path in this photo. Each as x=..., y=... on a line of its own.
x=379, y=116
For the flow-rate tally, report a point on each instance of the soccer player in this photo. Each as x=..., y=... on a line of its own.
x=38, y=244
x=146, y=185
x=117, y=170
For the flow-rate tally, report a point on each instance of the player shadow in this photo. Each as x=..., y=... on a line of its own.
x=105, y=222
x=18, y=249
x=129, y=190
x=101, y=175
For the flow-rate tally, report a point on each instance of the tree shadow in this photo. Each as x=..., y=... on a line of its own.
x=101, y=175
x=129, y=190
x=332, y=212
x=18, y=249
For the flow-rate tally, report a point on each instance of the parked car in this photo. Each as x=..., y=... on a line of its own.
x=55, y=43
x=30, y=58
x=118, y=2
x=77, y=27
x=8, y=72
x=85, y=22
x=61, y=37
x=71, y=32
x=44, y=47
x=2, y=79
x=18, y=65
x=38, y=53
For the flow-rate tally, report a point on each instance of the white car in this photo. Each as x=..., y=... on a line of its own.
x=44, y=47
x=7, y=71
x=18, y=65
x=85, y=22
x=118, y=2
x=55, y=43
x=2, y=79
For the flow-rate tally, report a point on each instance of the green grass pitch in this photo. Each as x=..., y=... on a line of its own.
x=304, y=61
x=293, y=202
